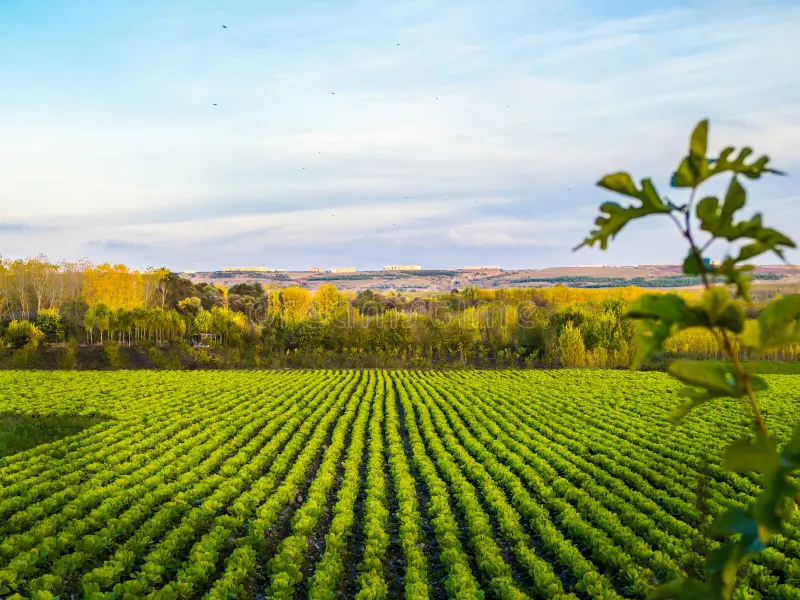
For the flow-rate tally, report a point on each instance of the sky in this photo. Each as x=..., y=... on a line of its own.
x=347, y=133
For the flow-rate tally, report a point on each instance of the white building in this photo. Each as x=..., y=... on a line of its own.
x=315, y=270
x=402, y=268
x=343, y=270
x=491, y=268
x=188, y=272
x=246, y=269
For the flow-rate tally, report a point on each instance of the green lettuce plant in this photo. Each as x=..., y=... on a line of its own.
x=743, y=532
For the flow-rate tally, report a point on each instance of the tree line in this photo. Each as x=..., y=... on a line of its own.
x=112, y=305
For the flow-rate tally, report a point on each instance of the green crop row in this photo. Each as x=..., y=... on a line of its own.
x=374, y=484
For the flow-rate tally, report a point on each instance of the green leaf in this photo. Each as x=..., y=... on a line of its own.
x=698, y=398
x=752, y=170
x=681, y=589
x=696, y=168
x=759, y=455
x=698, y=143
x=692, y=266
x=621, y=183
x=718, y=379
x=779, y=323
x=693, y=169
x=716, y=220
x=617, y=216
x=659, y=315
x=669, y=308
x=731, y=318
x=723, y=565
x=790, y=456
x=775, y=503
x=741, y=522
x=735, y=199
x=751, y=335
x=737, y=276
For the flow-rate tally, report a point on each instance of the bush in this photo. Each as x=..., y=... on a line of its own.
x=49, y=323
x=69, y=360
x=115, y=357
x=22, y=333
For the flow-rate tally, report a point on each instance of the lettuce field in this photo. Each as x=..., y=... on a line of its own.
x=372, y=484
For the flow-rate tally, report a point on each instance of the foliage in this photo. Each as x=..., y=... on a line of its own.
x=369, y=484
x=19, y=433
x=570, y=346
x=49, y=323
x=745, y=531
x=69, y=359
x=20, y=333
x=115, y=356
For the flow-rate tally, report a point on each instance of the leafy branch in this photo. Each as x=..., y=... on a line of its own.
x=719, y=310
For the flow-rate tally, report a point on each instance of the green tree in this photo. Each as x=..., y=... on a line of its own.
x=49, y=323
x=571, y=350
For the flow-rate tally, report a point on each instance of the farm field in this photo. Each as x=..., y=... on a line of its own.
x=371, y=484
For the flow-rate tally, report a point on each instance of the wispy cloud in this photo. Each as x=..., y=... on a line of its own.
x=11, y=228
x=114, y=245
x=519, y=105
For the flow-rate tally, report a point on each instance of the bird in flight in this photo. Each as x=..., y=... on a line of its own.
x=224, y=26
x=215, y=103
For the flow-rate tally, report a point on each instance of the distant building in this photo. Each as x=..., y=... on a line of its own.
x=343, y=270
x=715, y=262
x=188, y=272
x=315, y=270
x=246, y=269
x=402, y=268
x=491, y=268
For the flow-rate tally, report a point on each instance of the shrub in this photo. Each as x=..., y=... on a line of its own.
x=49, y=323
x=20, y=333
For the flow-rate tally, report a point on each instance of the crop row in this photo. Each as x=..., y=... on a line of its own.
x=372, y=484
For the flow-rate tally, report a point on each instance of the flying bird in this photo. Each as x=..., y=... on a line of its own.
x=224, y=26
x=215, y=103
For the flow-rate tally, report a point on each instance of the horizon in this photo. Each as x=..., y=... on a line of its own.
x=365, y=133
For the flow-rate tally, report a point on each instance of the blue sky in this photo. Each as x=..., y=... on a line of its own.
x=332, y=145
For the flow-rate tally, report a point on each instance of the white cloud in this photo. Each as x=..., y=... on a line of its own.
x=517, y=232
x=548, y=109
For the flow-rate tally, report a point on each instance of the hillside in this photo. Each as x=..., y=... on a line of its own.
x=655, y=276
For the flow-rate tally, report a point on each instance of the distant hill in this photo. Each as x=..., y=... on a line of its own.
x=650, y=276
